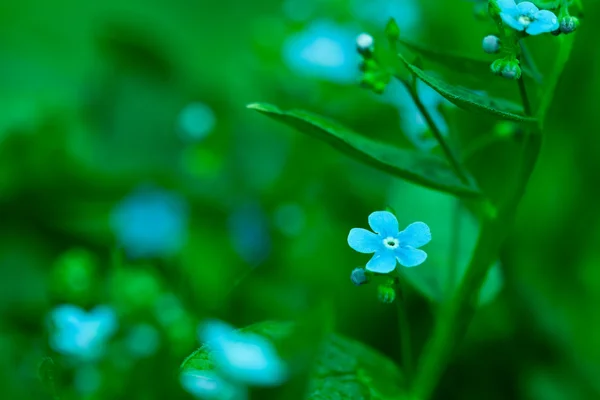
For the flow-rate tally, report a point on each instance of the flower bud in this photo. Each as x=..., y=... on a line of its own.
x=392, y=30
x=359, y=276
x=491, y=44
x=386, y=294
x=569, y=24
x=364, y=44
x=507, y=68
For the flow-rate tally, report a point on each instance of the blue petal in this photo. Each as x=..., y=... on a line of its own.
x=527, y=8
x=512, y=21
x=508, y=7
x=545, y=21
x=364, y=241
x=382, y=262
x=384, y=223
x=416, y=234
x=409, y=256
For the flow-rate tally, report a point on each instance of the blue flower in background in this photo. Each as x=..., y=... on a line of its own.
x=323, y=50
x=389, y=244
x=245, y=358
x=250, y=234
x=527, y=17
x=81, y=334
x=151, y=223
x=208, y=385
x=412, y=122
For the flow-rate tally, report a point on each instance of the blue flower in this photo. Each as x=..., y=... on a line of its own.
x=324, y=50
x=527, y=17
x=81, y=334
x=151, y=223
x=389, y=244
x=244, y=358
x=208, y=385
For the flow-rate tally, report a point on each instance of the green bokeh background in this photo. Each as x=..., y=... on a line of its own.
x=89, y=98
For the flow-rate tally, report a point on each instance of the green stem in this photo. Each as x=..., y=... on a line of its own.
x=404, y=329
x=454, y=248
x=524, y=97
x=455, y=317
x=456, y=166
x=530, y=62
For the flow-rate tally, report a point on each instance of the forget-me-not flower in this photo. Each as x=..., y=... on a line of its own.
x=209, y=385
x=80, y=334
x=525, y=16
x=151, y=223
x=245, y=358
x=389, y=244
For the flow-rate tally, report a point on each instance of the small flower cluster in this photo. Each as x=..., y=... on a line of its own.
x=519, y=20
x=240, y=360
x=390, y=247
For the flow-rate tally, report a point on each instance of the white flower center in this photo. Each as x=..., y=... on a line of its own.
x=525, y=20
x=391, y=242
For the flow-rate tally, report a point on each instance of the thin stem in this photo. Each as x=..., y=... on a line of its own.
x=524, y=98
x=404, y=328
x=454, y=248
x=456, y=166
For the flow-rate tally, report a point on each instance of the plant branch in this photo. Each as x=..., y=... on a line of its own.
x=404, y=329
x=456, y=166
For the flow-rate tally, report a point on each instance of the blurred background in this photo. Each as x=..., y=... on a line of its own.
x=135, y=185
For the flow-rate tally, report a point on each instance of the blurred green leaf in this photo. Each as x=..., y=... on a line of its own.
x=422, y=169
x=343, y=369
x=454, y=235
x=46, y=375
x=469, y=100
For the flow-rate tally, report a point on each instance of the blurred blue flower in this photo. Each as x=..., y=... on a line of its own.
x=412, y=122
x=208, y=385
x=250, y=234
x=389, y=244
x=527, y=17
x=245, y=358
x=151, y=223
x=195, y=121
x=80, y=334
x=324, y=50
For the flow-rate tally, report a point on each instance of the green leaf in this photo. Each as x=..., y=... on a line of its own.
x=454, y=236
x=469, y=100
x=46, y=375
x=423, y=169
x=463, y=63
x=564, y=52
x=343, y=368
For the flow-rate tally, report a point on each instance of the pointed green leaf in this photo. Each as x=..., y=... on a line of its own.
x=423, y=169
x=469, y=100
x=343, y=368
x=463, y=63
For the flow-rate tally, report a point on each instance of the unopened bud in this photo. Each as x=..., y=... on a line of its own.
x=491, y=44
x=507, y=68
x=569, y=24
x=392, y=30
x=364, y=43
x=359, y=276
x=386, y=294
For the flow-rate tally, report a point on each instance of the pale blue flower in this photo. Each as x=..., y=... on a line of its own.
x=250, y=234
x=210, y=386
x=389, y=244
x=527, y=17
x=324, y=50
x=245, y=358
x=151, y=223
x=80, y=334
